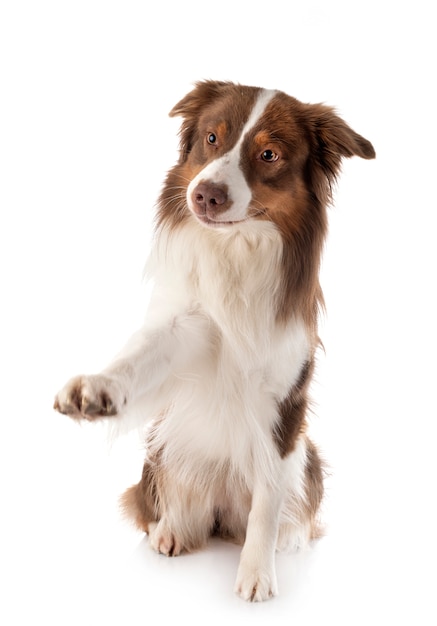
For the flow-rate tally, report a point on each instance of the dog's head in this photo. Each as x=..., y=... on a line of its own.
x=255, y=154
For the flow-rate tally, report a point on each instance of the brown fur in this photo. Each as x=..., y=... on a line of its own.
x=292, y=412
x=140, y=502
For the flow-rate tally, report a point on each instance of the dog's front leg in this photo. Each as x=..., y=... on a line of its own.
x=144, y=363
x=256, y=577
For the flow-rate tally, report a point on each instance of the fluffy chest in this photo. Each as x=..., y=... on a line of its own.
x=234, y=277
x=222, y=404
x=222, y=401
x=223, y=407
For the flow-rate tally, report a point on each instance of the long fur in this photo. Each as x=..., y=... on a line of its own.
x=223, y=364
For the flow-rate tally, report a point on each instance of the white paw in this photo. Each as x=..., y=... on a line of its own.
x=255, y=583
x=90, y=397
x=163, y=540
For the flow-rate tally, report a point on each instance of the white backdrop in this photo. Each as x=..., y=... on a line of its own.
x=85, y=143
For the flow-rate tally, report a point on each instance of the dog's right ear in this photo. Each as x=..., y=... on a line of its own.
x=203, y=93
x=189, y=108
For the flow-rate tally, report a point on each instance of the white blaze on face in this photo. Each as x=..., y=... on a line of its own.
x=226, y=169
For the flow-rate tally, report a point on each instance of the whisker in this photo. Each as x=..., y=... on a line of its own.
x=182, y=177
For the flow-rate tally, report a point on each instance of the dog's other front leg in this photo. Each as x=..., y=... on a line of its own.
x=256, y=577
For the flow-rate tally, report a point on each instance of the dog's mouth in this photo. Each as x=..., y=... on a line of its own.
x=214, y=223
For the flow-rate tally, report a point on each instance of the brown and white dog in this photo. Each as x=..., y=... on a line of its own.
x=226, y=355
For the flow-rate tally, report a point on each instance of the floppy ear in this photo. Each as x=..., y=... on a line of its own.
x=204, y=91
x=189, y=108
x=335, y=140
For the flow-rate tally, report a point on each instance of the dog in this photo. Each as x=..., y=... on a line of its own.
x=223, y=364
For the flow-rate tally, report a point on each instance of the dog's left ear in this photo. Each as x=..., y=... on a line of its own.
x=335, y=140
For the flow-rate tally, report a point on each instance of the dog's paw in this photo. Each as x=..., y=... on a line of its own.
x=162, y=540
x=90, y=397
x=254, y=583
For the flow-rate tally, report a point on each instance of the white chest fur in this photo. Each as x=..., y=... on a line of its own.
x=222, y=400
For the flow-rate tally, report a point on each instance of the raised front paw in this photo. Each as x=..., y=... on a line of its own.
x=254, y=583
x=90, y=397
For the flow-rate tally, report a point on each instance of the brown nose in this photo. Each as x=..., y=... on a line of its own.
x=209, y=196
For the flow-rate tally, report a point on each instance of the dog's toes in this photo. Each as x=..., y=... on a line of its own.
x=163, y=541
x=255, y=584
x=256, y=592
x=89, y=398
x=99, y=407
x=67, y=403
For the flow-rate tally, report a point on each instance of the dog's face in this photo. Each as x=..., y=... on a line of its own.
x=256, y=154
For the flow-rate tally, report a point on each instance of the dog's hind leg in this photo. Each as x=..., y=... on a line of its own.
x=299, y=522
x=176, y=516
x=140, y=502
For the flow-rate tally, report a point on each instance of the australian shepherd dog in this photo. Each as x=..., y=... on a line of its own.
x=221, y=368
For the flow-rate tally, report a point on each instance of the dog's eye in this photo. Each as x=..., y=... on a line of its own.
x=211, y=139
x=269, y=156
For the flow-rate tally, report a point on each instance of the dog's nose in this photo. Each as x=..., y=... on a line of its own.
x=209, y=196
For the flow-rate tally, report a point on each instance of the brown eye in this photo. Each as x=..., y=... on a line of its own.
x=211, y=139
x=269, y=156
